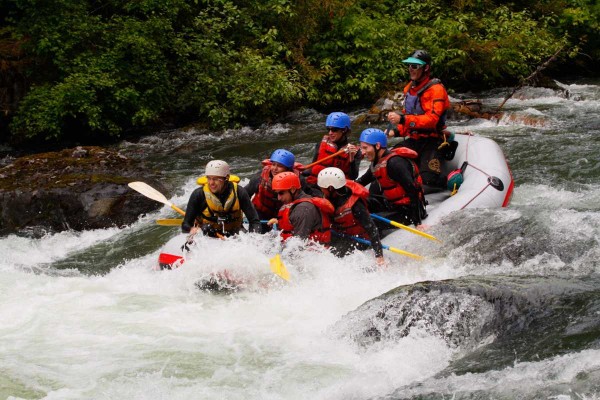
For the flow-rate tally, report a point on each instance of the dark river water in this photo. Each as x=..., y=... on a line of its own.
x=507, y=306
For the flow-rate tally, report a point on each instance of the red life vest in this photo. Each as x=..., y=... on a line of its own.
x=265, y=200
x=344, y=220
x=322, y=235
x=392, y=190
x=327, y=148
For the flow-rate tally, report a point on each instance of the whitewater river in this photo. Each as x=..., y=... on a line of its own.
x=84, y=316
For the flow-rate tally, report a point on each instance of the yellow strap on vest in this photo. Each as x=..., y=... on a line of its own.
x=203, y=180
x=444, y=143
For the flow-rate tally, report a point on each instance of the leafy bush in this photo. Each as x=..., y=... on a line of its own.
x=100, y=68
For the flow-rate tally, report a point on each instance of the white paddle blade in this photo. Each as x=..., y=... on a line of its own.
x=149, y=192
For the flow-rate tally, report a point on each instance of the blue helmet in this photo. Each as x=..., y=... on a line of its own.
x=283, y=157
x=373, y=136
x=338, y=120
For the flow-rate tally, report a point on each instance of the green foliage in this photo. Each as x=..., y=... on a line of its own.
x=104, y=67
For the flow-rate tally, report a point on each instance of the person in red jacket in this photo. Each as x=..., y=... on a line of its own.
x=423, y=119
x=351, y=216
x=338, y=127
x=259, y=187
x=301, y=215
x=396, y=189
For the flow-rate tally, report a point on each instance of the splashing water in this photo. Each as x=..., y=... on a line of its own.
x=85, y=316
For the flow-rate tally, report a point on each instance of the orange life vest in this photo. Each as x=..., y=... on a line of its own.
x=344, y=220
x=322, y=235
x=327, y=148
x=436, y=93
x=392, y=190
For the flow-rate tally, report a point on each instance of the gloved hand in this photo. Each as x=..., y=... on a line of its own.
x=415, y=209
x=209, y=230
x=396, y=118
x=392, y=130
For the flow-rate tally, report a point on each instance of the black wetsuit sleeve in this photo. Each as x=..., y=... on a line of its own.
x=364, y=218
x=196, y=204
x=401, y=171
x=312, y=190
x=252, y=186
x=355, y=165
x=249, y=210
x=305, y=218
x=317, y=147
x=366, y=178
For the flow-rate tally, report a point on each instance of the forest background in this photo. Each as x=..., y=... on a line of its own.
x=88, y=71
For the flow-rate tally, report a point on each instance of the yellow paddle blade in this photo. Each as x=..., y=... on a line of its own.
x=170, y=222
x=278, y=268
x=413, y=230
x=406, y=253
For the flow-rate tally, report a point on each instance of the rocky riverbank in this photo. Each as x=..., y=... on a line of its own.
x=78, y=188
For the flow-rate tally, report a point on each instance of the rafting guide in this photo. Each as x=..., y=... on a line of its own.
x=422, y=122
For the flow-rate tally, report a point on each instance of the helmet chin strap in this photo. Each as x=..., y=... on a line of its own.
x=376, y=159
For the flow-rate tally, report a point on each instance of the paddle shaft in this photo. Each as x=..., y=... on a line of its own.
x=368, y=243
x=407, y=228
x=323, y=159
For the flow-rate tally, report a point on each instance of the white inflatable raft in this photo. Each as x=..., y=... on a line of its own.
x=487, y=183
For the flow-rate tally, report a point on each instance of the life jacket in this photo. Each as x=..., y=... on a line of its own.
x=327, y=148
x=344, y=220
x=412, y=105
x=322, y=235
x=226, y=218
x=392, y=190
x=265, y=200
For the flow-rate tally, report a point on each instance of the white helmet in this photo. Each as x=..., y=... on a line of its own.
x=217, y=168
x=331, y=176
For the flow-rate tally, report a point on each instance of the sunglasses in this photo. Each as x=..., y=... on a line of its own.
x=335, y=130
x=414, y=66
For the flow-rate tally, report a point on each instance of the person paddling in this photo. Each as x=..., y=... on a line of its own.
x=260, y=187
x=216, y=207
x=396, y=186
x=301, y=215
x=351, y=216
x=338, y=127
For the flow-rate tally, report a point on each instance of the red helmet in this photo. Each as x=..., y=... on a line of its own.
x=286, y=181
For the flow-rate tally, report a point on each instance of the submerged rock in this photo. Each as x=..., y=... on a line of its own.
x=489, y=319
x=80, y=188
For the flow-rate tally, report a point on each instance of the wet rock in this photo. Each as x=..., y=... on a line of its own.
x=81, y=188
x=490, y=319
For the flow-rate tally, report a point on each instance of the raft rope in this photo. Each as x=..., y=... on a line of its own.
x=492, y=180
